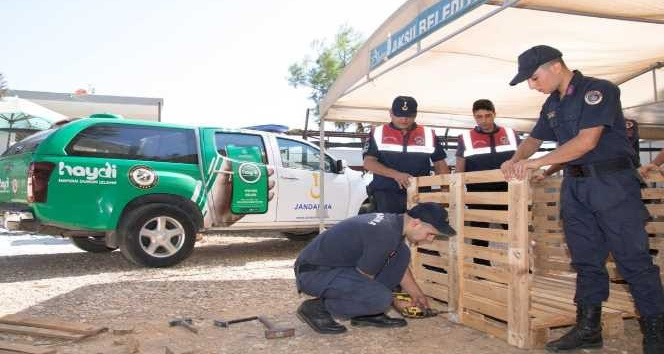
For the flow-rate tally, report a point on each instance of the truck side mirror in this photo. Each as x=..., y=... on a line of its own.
x=340, y=166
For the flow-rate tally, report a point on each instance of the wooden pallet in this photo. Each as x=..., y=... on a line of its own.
x=525, y=286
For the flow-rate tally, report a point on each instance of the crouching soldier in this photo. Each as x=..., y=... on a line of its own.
x=353, y=267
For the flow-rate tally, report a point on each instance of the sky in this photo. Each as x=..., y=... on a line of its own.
x=221, y=63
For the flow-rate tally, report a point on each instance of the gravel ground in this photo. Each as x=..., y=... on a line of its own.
x=227, y=277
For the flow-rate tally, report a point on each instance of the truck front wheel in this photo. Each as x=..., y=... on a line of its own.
x=157, y=235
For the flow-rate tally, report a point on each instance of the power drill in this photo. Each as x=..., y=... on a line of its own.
x=414, y=311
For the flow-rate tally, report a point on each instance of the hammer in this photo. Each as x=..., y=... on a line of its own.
x=225, y=324
x=184, y=322
x=273, y=332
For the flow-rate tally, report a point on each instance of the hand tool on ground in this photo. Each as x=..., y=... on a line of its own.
x=415, y=311
x=273, y=332
x=225, y=324
x=187, y=323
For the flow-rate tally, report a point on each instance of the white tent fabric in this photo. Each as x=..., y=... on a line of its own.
x=475, y=56
x=15, y=105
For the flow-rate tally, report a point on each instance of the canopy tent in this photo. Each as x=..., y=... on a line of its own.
x=22, y=116
x=449, y=53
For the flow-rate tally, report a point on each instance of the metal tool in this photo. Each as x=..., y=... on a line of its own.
x=187, y=323
x=225, y=324
x=273, y=332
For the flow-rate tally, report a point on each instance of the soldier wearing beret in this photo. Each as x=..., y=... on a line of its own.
x=399, y=150
x=601, y=206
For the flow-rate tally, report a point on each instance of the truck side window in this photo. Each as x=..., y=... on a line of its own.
x=28, y=144
x=136, y=143
x=222, y=140
x=301, y=156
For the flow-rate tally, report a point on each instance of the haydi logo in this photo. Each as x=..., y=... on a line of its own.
x=90, y=173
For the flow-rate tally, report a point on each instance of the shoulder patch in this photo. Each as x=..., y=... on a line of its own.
x=593, y=97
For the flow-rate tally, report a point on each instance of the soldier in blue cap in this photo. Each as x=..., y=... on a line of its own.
x=601, y=205
x=397, y=151
x=352, y=268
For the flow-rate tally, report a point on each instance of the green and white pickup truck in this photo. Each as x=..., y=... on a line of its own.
x=148, y=188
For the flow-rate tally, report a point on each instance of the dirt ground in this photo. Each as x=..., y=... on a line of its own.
x=226, y=278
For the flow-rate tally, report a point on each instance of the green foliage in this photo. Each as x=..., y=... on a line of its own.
x=330, y=59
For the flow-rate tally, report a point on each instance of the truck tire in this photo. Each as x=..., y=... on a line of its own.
x=300, y=235
x=157, y=235
x=92, y=244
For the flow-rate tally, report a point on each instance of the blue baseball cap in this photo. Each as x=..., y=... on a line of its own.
x=404, y=106
x=434, y=214
x=531, y=59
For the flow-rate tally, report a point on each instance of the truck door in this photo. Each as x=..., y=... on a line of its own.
x=299, y=184
x=213, y=164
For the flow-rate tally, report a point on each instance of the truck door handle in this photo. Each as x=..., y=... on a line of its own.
x=290, y=177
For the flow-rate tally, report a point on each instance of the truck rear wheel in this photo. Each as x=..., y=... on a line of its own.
x=157, y=235
x=92, y=244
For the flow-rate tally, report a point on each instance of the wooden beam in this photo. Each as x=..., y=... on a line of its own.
x=456, y=271
x=518, y=300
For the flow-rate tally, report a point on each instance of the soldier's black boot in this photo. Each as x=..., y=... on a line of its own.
x=653, y=334
x=585, y=335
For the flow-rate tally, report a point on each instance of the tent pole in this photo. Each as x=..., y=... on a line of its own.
x=652, y=67
x=654, y=83
x=322, y=212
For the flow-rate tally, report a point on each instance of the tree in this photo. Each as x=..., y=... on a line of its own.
x=3, y=86
x=319, y=74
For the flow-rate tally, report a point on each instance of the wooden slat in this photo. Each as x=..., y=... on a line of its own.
x=49, y=323
x=485, y=253
x=544, y=265
x=490, y=290
x=546, y=197
x=440, y=246
x=654, y=176
x=485, y=306
x=492, y=198
x=436, y=261
x=437, y=291
x=518, y=295
x=551, y=182
x=40, y=332
x=491, y=273
x=456, y=271
x=436, y=180
x=545, y=251
x=547, y=237
x=13, y=347
x=433, y=276
x=655, y=227
x=497, y=216
x=483, y=176
x=652, y=193
x=546, y=210
x=481, y=233
x=540, y=225
x=655, y=209
x=479, y=323
x=433, y=197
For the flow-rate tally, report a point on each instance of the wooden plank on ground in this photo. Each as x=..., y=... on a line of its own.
x=13, y=347
x=40, y=332
x=50, y=323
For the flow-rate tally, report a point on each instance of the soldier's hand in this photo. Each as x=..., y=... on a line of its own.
x=645, y=169
x=538, y=176
x=402, y=179
x=507, y=168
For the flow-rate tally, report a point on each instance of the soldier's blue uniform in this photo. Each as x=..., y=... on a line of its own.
x=331, y=266
x=601, y=205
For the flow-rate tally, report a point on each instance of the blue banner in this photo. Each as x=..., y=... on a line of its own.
x=429, y=20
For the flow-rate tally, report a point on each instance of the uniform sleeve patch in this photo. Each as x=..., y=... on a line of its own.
x=593, y=97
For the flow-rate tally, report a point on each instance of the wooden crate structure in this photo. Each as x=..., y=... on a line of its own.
x=521, y=286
